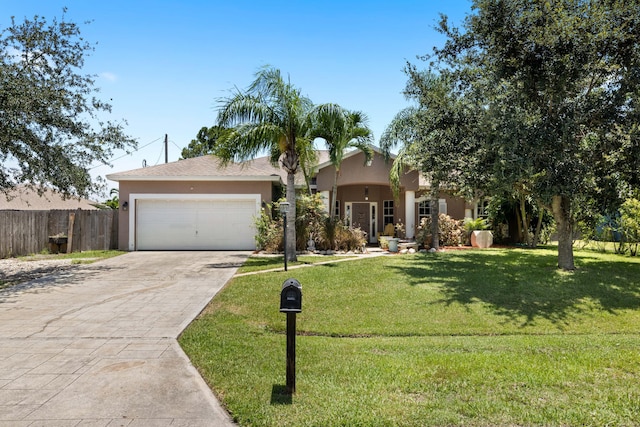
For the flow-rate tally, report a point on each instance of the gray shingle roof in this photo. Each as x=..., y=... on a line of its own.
x=25, y=199
x=208, y=168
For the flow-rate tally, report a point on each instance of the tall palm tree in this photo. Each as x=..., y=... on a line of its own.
x=340, y=129
x=269, y=116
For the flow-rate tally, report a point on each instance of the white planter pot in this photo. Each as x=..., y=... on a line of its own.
x=393, y=244
x=481, y=239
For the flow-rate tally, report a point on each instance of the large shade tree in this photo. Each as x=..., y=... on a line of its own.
x=570, y=68
x=340, y=129
x=51, y=126
x=270, y=115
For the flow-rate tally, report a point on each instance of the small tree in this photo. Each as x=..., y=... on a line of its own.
x=630, y=224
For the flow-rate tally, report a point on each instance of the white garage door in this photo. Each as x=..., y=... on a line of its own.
x=195, y=224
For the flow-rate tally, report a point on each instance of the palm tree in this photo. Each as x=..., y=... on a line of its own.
x=269, y=116
x=340, y=129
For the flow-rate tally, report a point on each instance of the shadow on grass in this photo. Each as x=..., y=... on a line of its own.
x=526, y=283
x=280, y=395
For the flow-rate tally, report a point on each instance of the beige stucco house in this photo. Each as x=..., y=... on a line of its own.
x=198, y=204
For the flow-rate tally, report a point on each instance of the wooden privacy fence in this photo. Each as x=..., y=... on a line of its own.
x=28, y=232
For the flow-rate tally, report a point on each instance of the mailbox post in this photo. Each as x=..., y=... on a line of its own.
x=291, y=303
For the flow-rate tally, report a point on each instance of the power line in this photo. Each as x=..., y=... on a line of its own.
x=127, y=154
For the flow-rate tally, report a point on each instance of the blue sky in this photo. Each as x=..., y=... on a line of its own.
x=163, y=65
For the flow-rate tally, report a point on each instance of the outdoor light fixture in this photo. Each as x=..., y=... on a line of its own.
x=366, y=193
x=284, y=208
x=125, y=206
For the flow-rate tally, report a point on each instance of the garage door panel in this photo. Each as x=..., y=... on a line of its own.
x=202, y=224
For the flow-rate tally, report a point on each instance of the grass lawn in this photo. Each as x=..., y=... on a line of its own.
x=86, y=257
x=476, y=338
x=261, y=263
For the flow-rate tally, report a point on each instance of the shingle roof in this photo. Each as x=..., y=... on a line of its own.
x=25, y=199
x=208, y=168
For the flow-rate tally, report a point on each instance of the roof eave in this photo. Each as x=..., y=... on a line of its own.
x=119, y=177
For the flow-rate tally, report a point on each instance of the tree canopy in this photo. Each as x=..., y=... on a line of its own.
x=51, y=127
x=205, y=142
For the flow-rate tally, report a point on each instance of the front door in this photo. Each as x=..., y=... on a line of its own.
x=360, y=218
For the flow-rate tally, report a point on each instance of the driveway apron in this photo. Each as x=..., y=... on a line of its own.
x=97, y=346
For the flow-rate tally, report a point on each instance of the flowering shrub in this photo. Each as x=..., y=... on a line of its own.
x=450, y=231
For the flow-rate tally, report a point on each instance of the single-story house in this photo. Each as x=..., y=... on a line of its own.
x=23, y=198
x=196, y=204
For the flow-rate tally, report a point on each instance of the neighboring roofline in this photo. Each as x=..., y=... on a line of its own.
x=120, y=177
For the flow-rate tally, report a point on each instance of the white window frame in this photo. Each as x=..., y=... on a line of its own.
x=385, y=213
x=482, y=209
x=423, y=205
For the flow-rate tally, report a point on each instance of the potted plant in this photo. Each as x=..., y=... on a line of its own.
x=477, y=232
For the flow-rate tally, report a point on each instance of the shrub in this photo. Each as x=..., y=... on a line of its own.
x=630, y=224
x=310, y=216
x=470, y=225
x=450, y=231
x=336, y=236
x=269, y=232
x=311, y=223
x=349, y=239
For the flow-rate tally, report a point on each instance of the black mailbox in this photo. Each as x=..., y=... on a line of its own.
x=291, y=297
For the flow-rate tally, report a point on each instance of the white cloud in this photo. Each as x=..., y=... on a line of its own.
x=109, y=76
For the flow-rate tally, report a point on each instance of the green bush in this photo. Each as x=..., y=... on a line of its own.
x=310, y=216
x=269, y=232
x=630, y=224
x=470, y=225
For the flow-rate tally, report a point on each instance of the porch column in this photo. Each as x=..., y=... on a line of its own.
x=325, y=200
x=410, y=213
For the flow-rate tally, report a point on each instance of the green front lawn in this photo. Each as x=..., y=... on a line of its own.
x=262, y=263
x=490, y=337
x=85, y=257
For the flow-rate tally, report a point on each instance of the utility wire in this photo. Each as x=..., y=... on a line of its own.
x=160, y=155
x=127, y=154
x=178, y=147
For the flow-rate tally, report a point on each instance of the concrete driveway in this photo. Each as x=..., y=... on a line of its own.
x=97, y=346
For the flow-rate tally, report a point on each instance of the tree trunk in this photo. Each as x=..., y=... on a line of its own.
x=525, y=220
x=518, y=237
x=334, y=195
x=536, y=236
x=435, y=215
x=561, y=206
x=291, y=217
